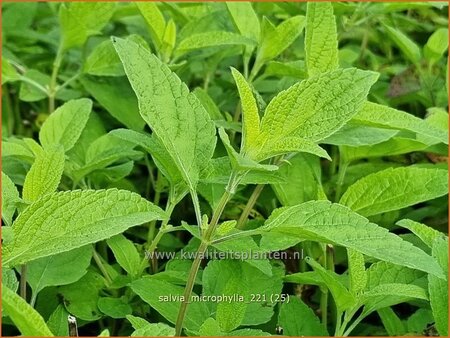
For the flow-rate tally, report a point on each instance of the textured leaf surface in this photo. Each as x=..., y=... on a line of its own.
x=298, y=319
x=321, y=43
x=10, y=198
x=395, y=188
x=357, y=272
x=387, y=117
x=355, y=135
x=425, y=233
x=438, y=288
x=65, y=124
x=64, y=268
x=126, y=254
x=45, y=173
x=388, y=273
x=63, y=221
x=245, y=19
x=154, y=19
x=175, y=115
x=336, y=224
x=28, y=320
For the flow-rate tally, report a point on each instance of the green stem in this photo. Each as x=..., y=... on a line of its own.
x=199, y=255
x=53, y=80
x=34, y=84
x=354, y=324
x=238, y=235
x=23, y=281
x=343, y=165
x=69, y=81
x=198, y=212
x=98, y=261
x=249, y=206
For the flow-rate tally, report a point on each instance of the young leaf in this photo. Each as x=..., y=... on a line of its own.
x=298, y=319
x=343, y=298
x=155, y=21
x=395, y=188
x=356, y=135
x=45, y=173
x=162, y=295
x=388, y=273
x=80, y=20
x=436, y=45
x=404, y=43
x=357, y=272
x=126, y=254
x=391, y=322
x=65, y=125
x=28, y=320
x=321, y=43
x=57, y=322
x=438, y=287
x=10, y=198
x=382, y=116
x=9, y=73
x=63, y=221
x=154, y=330
x=175, y=115
x=103, y=61
x=60, y=269
x=245, y=19
x=114, y=307
x=336, y=224
x=425, y=233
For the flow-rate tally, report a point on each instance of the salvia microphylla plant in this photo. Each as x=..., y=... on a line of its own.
x=254, y=129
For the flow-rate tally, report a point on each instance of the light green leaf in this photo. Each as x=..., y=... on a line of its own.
x=407, y=46
x=244, y=19
x=425, y=233
x=250, y=115
x=382, y=116
x=126, y=254
x=308, y=277
x=210, y=328
x=230, y=315
x=57, y=322
x=9, y=278
x=342, y=297
x=28, y=320
x=10, y=199
x=438, y=288
x=60, y=269
x=356, y=271
x=65, y=125
x=321, y=43
x=297, y=319
x=63, y=221
x=160, y=295
x=103, y=61
x=154, y=330
x=436, y=45
x=137, y=322
x=395, y=188
x=175, y=115
x=114, y=307
x=9, y=73
x=80, y=20
x=169, y=38
x=336, y=224
x=45, y=173
x=155, y=21
x=304, y=111
x=212, y=39
x=388, y=273
x=419, y=321
x=391, y=322
x=355, y=135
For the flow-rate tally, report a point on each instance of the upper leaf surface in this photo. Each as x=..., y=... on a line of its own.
x=395, y=188
x=175, y=115
x=321, y=44
x=63, y=221
x=10, y=198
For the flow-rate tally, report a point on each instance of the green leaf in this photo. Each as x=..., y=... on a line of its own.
x=382, y=116
x=336, y=224
x=419, y=321
x=126, y=254
x=175, y=115
x=212, y=39
x=321, y=43
x=395, y=188
x=304, y=111
x=436, y=45
x=438, y=288
x=297, y=319
x=114, y=307
x=9, y=73
x=63, y=221
x=169, y=39
x=65, y=125
x=391, y=322
x=45, y=173
x=166, y=298
x=9, y=278
x=244, y=19
x=355, y=135
x=60, y=269
x=154, y=330
x=388, y=273
x=10, y=199
x=155, y=21
x=103, y=61
x=250, y=115
x=357, y=272
x=57, y=322
x=230, y=315
x=210, y=328
x=407, y=46
x=80, y=20
x=81, y=297
x=117, y=97
x=342, y=297
x=425, y=233
x=28, y=320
